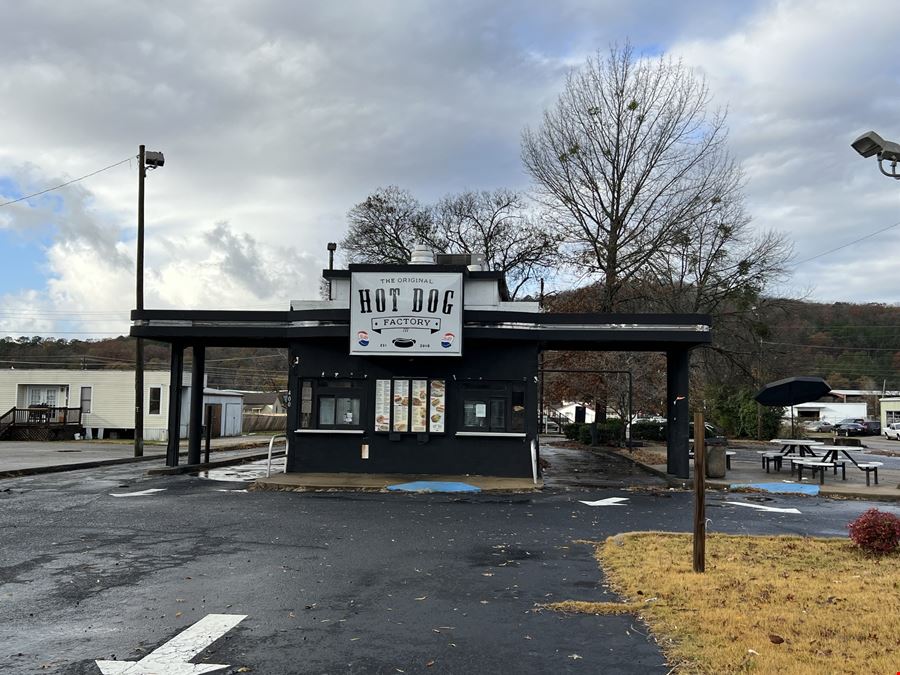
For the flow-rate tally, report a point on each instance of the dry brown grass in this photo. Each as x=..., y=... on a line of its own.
x=764, y=605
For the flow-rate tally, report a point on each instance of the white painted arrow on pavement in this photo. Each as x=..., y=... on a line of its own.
x=172, y=657
x=142, y=493
x=764, y=508
x=609, y=501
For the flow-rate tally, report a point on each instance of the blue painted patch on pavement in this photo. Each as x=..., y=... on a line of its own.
x=433, y=486
x=782, y=488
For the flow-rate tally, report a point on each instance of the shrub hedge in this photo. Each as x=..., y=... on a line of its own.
x=608, y=432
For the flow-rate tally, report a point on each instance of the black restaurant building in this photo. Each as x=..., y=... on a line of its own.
x=422, y=369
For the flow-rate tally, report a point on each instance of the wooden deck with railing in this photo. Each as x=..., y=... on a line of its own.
x=32, y=421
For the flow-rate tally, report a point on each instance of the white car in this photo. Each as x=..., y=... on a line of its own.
x=892, y=431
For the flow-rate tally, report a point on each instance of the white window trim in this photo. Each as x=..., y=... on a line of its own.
x=86, y=386
x=149, y=389
x=358, y=432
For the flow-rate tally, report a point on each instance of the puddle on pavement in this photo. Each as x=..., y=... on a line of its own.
x=243, y=473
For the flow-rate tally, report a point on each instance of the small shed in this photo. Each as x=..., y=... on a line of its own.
x=223, y=407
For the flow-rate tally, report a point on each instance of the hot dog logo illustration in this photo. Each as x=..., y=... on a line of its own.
x=414, y=313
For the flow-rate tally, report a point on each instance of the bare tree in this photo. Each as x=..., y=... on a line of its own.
x=386, y=226
x=717, y=262
x=499, y=226
x=627, y=158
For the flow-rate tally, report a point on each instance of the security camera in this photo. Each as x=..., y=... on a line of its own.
x=868, y=144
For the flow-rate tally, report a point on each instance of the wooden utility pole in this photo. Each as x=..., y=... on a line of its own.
x=699, y=493
x=139, y=291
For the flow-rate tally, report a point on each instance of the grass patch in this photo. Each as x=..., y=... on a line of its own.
x=764, y=605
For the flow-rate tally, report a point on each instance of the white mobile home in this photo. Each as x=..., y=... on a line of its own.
x=106, y=400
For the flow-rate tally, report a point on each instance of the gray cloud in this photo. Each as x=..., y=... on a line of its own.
x=277, y=117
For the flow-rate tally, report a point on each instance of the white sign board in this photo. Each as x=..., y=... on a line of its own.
x=406, y=313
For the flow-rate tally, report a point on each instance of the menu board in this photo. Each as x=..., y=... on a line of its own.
x=437, y=406
x=419, y=406
x=382, y=405
x=401, y=405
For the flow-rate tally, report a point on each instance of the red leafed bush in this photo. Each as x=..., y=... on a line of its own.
x=876, y=531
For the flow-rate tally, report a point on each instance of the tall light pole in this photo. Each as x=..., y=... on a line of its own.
x=871, y=143
x=153, y=160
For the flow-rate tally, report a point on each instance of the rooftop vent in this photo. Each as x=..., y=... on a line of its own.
x=421, y=255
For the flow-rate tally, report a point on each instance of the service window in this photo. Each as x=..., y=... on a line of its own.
x=496, y=407
x=331, y=404
x=155, y=400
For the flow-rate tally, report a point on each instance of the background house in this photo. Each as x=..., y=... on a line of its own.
x=106, y=400
x=264, y=402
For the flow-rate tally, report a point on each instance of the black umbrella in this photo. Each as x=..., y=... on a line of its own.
x=791, y=391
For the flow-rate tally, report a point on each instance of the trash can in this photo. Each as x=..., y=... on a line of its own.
x=715, y=459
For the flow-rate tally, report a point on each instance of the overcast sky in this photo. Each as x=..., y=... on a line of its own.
x=277, y=117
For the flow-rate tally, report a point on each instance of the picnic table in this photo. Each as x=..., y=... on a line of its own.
x=802, y=446
x=817, y=464
x=832, y=454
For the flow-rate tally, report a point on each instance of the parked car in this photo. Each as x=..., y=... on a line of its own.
x=873, y=427
x=850, y=429
x=712, y=431
x=857, y=426
x=818, y=425
x=551, y=427
x=892, y=431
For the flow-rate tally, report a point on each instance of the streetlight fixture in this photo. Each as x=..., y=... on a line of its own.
x=871, y=143
x=151, y=160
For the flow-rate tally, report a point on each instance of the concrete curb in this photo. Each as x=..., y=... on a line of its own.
x=328, y=482
x=59, y=468
x=673, y=481
x=191, y=468
x=95, y=464
x=716, y=484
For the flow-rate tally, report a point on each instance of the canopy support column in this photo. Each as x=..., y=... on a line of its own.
x=176, y=369
x=196, y=433
x=678, y=362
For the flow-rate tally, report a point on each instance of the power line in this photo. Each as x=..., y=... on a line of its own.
x=850, y=243
x=840, y=348
x=62, y=185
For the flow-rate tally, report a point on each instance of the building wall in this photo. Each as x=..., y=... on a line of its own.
x=410, y=453
x=890, y=411
x=827, y=412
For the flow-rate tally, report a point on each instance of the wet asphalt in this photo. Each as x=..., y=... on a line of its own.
x=336, y=582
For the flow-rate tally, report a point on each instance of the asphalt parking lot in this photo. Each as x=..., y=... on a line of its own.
x=109, y=564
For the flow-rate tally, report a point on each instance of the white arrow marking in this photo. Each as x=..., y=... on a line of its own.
x=172, y=657
x=609, y=501
x=142, y=493
x=764, y=508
